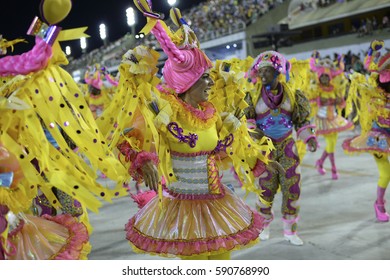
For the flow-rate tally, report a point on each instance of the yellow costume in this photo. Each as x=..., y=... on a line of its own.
x=37, y=96
x=371, y=97
x=194, y=215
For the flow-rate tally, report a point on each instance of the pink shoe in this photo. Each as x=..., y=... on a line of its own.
x=380, y=212
x=319, y=167
x=335, y=175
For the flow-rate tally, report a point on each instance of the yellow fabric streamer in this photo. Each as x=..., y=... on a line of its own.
x=56, y=103
x=72, y=34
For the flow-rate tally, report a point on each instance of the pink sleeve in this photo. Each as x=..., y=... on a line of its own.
x=31, y=61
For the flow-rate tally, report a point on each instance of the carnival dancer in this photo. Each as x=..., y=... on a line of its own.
x=371, y=97
x=53, y=99
x=22, y=235
x=275, y=109
x=194, y=216
x=327, y=96
x=101, y=86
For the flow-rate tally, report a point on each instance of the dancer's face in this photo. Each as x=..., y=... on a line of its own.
x=324, y=79
x=199, y=92
x=267, y=75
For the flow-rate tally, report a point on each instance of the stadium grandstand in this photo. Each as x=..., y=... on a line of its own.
x=238, y=28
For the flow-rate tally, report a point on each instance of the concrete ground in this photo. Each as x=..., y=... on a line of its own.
x=337, y=218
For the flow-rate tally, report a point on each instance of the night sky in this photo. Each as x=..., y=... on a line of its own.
x=17, y=15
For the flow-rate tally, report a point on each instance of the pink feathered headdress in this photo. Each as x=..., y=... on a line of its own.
x=273, y=59
x=324, y=66
x=186, y=63
x=383, y=66
x=94, y=78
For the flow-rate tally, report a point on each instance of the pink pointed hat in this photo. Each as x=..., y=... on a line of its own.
x=186, y=62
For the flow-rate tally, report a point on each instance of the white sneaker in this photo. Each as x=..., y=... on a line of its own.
x=264, y=235
x=294, y=239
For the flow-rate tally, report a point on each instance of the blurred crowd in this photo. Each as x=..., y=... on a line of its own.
x=214, y=18
x=209, y=19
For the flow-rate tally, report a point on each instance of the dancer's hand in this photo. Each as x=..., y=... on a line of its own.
x=312, y=145
x=150, y=174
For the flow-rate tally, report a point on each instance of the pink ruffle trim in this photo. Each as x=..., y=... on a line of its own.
x=348, y=148
x=78, y=236
x=205, y=114
x=190, y=248
x=197, y=196
x=201, y=153
x=336, y=129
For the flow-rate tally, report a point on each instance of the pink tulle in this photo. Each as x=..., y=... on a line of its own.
x=78, y=236
x=71, y=250
x=31, y=61
x=194, y=247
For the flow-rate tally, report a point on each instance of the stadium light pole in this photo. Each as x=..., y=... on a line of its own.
x=172, y=2
x=130, y=16
x=83, y=44
x=68, y=51
x=103, y=33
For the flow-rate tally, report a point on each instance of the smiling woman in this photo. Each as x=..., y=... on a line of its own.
x=177, y=149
